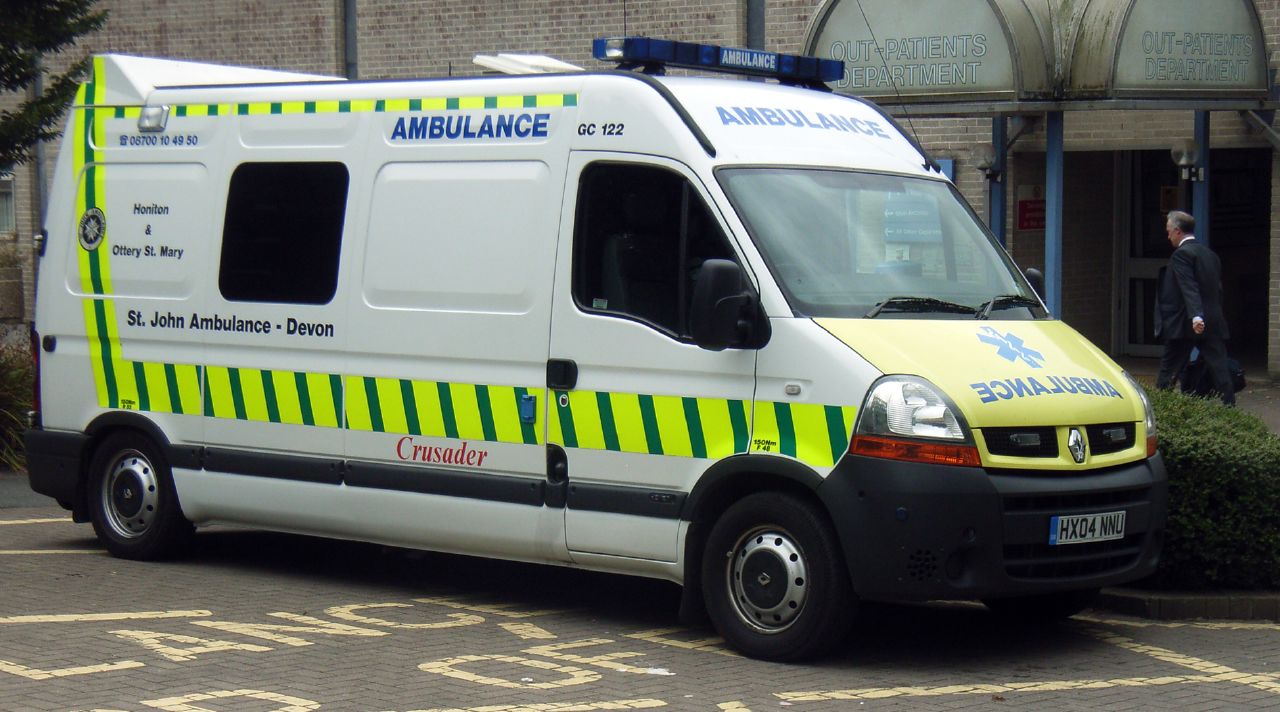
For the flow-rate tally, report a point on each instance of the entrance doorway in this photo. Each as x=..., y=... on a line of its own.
x=1239, y=203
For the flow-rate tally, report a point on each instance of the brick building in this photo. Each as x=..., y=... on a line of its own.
x=1118, y=171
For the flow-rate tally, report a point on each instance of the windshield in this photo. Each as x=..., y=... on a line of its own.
x=847, y=244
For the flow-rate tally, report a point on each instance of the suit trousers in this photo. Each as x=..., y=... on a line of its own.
x=1214, y=351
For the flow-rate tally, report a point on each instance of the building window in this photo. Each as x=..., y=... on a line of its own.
x=8, y=215
x=283, y=232
x=642, y=235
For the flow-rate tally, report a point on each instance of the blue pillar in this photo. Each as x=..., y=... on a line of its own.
x=996, y=179
x=1200, y=184
x=1053, y=213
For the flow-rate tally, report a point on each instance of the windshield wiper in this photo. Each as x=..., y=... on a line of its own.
x=918, y=304
x=1004, y=301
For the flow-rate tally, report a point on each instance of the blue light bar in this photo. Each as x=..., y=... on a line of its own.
x=653, y=53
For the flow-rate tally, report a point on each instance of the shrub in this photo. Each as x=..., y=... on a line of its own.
x=1224, y=496
x=15, y=400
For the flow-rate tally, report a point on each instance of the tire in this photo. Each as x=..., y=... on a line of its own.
x=765, y=539
x=1042, y=608
x=132, y=500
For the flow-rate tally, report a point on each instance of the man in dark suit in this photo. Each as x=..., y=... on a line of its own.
x=1190, y=308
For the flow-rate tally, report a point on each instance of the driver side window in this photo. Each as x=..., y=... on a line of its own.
x=641, y=236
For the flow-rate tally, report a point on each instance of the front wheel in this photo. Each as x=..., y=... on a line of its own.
x=774, y=578
x=132, y=500
x=1042, y=608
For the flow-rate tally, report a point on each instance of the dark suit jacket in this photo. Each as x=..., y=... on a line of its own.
x=1191, y=285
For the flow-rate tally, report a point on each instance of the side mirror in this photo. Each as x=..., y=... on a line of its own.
x=1036, y=278
x=724, y=313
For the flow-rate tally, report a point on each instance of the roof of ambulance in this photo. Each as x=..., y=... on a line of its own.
x=745, y=121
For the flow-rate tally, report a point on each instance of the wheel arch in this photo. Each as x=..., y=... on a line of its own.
x=98, y=430
x=724, y=483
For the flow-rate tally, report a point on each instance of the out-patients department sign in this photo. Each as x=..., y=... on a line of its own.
x=1191, y=45
x=924, y=47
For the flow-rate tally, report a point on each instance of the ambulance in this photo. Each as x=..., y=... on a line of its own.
x=739, y=335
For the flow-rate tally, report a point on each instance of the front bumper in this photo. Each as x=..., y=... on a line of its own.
x=919, y=532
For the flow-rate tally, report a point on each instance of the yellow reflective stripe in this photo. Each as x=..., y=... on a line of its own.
x=629, y=421
x=506, y=415
x=550, y=100
x=218, y=381
x=511, y=102
x=357, y=403
x=287, y=401
x=764, y=428
x=95, y=350
x=435, y=104
x=255, y=398
x=430, y=416
x=813, y=438
x=326, y=107
x=672, y=427
x=363, y=105
x=471, y=102
x=555, y=435
x=586, y=419
x=391, y=402
x=466, y=411
x=132, y=112
x=396, y=104
x=161, y=400
x=323, y=410
x=189, y=388
x=293, y=107
x=717, y=427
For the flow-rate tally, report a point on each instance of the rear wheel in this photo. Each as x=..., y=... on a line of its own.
x=1042, y=608
x=774, y=578
x=132, y=500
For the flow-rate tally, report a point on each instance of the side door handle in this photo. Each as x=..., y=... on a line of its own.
x=562, y=374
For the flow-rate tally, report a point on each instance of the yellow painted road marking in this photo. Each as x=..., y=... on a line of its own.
x=194, y=646
x=493, y=609
x=182, y=704
x=4, y=522
x=35, y=674
x=733, y=707
x=96, y=617
x=1220, y=673
x=349, y=613
x=874, y=693
x=276, y=632
x=527, y=631
x=1201, y=625
x=449, y=668
x=31, y=552
x=605, y=661
x=642, y=704
x=660, y=636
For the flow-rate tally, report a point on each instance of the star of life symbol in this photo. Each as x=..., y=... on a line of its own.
x=1010, y=347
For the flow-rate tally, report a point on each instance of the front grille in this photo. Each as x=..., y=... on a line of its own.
x=1084, y=501
x=1041, y=561
x=1110, y=437
x=1022, y=442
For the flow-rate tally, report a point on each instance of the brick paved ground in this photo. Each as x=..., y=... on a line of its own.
x=259, y=621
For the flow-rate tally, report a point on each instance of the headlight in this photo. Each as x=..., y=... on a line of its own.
x=908, y=418
x=1148, y=414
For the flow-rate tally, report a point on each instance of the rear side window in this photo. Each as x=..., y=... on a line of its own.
x=283, y=232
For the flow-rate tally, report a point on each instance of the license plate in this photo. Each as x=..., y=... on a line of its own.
x=1082, y=528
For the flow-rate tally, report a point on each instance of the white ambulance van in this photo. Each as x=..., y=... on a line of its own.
x=738, y=335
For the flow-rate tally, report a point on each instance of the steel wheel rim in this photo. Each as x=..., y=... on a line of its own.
x=768, y=579
x=130, y=494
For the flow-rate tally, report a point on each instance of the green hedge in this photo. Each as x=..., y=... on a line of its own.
x=15, y=400
x=1224, y=496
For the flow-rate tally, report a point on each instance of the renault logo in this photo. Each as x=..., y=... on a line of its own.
x=1075, y=444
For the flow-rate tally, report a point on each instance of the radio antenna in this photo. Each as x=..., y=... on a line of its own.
x=887, y=73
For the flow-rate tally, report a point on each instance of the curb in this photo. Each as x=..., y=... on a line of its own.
x=1172, y=605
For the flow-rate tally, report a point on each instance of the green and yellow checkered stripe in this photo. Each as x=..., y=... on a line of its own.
x=363, y=106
